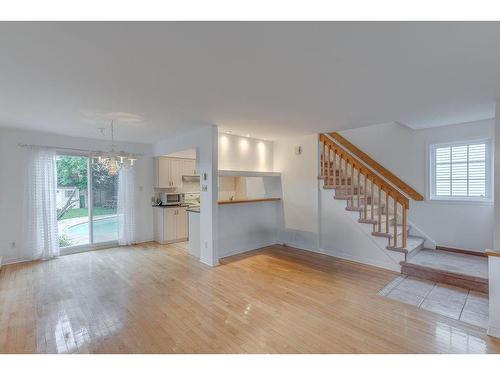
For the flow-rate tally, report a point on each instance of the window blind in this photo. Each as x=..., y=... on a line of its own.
x=460, y=170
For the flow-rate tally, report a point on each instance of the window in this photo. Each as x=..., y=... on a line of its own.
x=461, y=171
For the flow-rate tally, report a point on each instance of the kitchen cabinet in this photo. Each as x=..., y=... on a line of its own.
x=194, y=233
x=170, y=224
x=169, y=171
x=181, y=223
x=175, y=172
x=162, y=172
x=188, y=167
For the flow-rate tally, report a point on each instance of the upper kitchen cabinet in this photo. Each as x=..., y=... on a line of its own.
x=162, y=172
x=188, y=167
x=169, y=171
x=176, y=172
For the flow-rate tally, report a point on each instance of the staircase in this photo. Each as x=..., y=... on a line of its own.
x=380, y=198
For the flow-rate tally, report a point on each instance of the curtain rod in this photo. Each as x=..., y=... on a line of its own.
x=68, y=149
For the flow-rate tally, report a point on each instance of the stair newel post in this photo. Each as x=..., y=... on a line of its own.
x=379, y=221
x=372, y=197
x=404, y=225
x=395, y=222
x=387, y=196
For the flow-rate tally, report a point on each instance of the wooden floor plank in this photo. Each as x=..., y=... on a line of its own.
x=157, y=299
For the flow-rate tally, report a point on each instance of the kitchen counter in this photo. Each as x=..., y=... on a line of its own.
x=194, y=209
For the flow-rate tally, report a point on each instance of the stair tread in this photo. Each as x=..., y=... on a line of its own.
x=412, y=243
x=462, y=264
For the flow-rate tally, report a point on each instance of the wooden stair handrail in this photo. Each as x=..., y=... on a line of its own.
x=344, y=155
x=352, y=173
x=388, y=175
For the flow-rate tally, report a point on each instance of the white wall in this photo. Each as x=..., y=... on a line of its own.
x=405, y=153
x=494, y=262
x=299, y=174
x=204, y=141
x=238, y=153
x=13, y=162
x=496, y=168
x=248, y=226
x=342, y=236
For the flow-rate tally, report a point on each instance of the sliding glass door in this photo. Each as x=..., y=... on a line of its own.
x=72, y=200
x=86, y=203
x=104, y=199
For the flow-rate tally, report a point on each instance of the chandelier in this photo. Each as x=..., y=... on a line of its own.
x=113, y=161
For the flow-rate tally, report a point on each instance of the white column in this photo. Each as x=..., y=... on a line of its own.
x=209, y=172
x=494, y=261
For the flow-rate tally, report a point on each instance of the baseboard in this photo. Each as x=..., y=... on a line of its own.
x=245, y=250
x=366, y=261
x=461, y=251
x=145, y=240
x=301, y=239
x=209, y=262
x=347, y=256
x=302, y=247
x=493, y=331
x=15, y=261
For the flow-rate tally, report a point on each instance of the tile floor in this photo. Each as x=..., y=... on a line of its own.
x=457, y=303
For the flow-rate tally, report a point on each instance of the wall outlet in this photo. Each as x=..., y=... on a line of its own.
x=204, y=187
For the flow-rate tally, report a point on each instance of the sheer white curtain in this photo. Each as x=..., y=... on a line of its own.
x=126, y=206
x=40, y=210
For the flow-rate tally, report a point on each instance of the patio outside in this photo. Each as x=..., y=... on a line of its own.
x=73, y=203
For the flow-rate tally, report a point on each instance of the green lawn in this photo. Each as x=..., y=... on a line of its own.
x=82, y=212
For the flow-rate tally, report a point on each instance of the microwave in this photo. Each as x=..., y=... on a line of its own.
x=171, y=199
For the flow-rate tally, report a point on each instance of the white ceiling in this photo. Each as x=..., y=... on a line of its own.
x=263, y=79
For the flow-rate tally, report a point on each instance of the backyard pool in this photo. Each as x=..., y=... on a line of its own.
x=105, y=229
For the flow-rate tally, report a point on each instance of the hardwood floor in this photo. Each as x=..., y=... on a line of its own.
x=158, y=299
